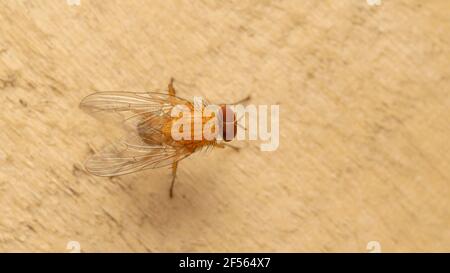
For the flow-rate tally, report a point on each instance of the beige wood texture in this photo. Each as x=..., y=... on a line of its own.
x=364, y=125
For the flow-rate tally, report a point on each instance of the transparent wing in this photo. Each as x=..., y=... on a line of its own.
x=142, y=110
x=147, y=115
x=133, y=154
x=146, y=146
x=132, y=102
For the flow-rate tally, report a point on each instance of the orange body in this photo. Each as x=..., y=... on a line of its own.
x=149, y=143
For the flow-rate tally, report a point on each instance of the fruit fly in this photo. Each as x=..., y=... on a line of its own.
x=150, y=143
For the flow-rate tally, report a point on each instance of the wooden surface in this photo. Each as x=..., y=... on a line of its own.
x=364, y=94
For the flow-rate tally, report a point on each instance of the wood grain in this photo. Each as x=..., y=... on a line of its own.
x=364, y=125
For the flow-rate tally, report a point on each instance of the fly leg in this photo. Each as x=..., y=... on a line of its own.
x=237, y=149
x=223, y=145
x=172, y=98
x=171, y=88
x=246, y=99
x=174, y=174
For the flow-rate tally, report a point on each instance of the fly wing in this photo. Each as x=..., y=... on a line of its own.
x=131, y=102
x=148, y=111
x=146, y=146
x=132, y=154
